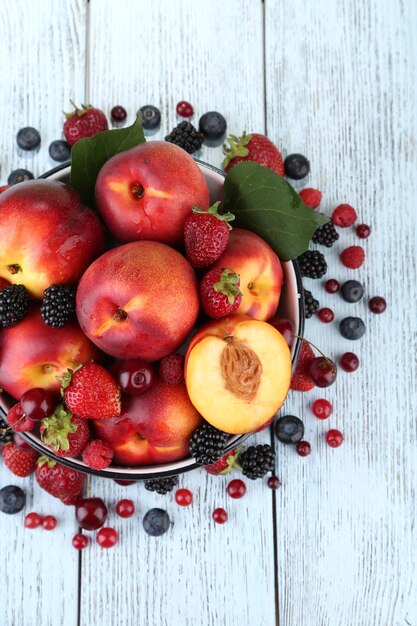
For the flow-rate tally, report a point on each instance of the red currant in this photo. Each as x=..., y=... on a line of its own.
x=133, y=375
x=325, y=315
x=32, y=520
x=334, y=438
x=49, y=522
x=363, y=231
x=322, y=408
x=125, y=508
x=37, y=403
x=284, y=326
x=236, y=488
x=303, y=448
x=107, y=537
x=377, y=305
x=183, y=497
x=118, y=114
x=349, y=362
x=80, y=541
x=184, y=109
x=322, y=371
x=332, y=285
x=220, y=516
x=91, y=513
x=273, y=482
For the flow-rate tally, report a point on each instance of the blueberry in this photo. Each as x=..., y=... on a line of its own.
x=19, y=176
x=156, y=522
x=296, y=166
x=212, y=125
x=28, y=138
x=12, y=499
x=60, y=150
x=352, y=328
x=352, y=291
x=289, y=429
x=151, y=117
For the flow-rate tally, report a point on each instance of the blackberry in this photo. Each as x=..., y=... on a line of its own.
x=14, y=304
x=58, y=305
x=186, y=136
x=257, y=461
x=326, y=235
x=311, y=305
x=312, y=264
x=207, y=444
x=161, y=485
x=6, y=434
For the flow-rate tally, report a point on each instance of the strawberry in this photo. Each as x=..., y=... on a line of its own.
x=17, y=419
x=300, y=380
x=206, y=234
x=59, y=481
x=225, y=464
x=220, y=293
x=84, y=122
x=64, y=433
x=253, y=147
x=91, y=392
x=20, y=462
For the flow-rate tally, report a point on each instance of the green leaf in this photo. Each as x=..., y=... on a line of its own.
x=265, y=203
x=89, y=155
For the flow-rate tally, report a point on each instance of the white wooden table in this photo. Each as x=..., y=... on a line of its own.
x=332, y=79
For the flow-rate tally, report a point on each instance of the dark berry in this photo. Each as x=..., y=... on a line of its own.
x=220, y=516
x=12, y=499
x=58, y=305
x=107, y=537
x=6, y=433
x=296, y=166
x=133, y=376
x=207, y=444
x=161, y=485
x=349, y=362
x=19, y=176
x=184, y=109
x=284, y=326
x=289, y=429
x=352, y=291
x=311, y=305
x=156, y=522
x=363, y=231
x=49, y=522
x=183, y=497
x=325, y=315
x=322, y=408
x=326, y=235
x=256, y=461
x=352, y=328
x=334, y=438
x=14, y=304
x=28, y=138
x=312, y=264
x=37, y=403
x=322, y=371
x=212, y=125
x=377, y=305
x=303, y=448
x=91, y=513
x=273, y=482
x=332, y=285
x=236, y=488
x=186, y=136
x=151, y=117
x=32, y=520
x=118, y=114
x=60, y=150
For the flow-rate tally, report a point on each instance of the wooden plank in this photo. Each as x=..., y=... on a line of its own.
x=341, y=89
x=198, y=573
x=42, y=45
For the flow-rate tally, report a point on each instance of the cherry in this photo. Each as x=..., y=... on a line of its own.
x=349, y=362
x=303, y=448
x=284, y=326
x=183, y=497
x=124, y=483
x=125, y=508
x=220, y=516
x=107, y=537
x=325, y=315
x=80, y=541
x=118, y=114
x=377, y=304
x=273, y=482
x=363, y=231
x=32, y=520
x=236, y=488
x=334, y=438
x=322, y=408
x=184, y=109
x=91, y=513
x=322, y=371
x=37, y=403
x=49, y=522
x=134, y=375
x=332, y=285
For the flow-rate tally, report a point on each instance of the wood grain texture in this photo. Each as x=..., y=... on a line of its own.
x=341, y=89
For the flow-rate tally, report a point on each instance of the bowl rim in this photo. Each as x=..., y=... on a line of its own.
x=182, y=465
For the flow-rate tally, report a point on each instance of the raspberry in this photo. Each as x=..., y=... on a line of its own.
x=97, y=454
x=171, y=369
x=344, y=215
x=353, y=257
x=311, y=197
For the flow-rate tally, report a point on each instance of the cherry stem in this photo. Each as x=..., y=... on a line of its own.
x=330, y=362
x=87, y=487
x=5, y=430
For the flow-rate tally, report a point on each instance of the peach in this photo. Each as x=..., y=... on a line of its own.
x=261, y=273
x=237, y=373
x=139, y=300
x=149, y=191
